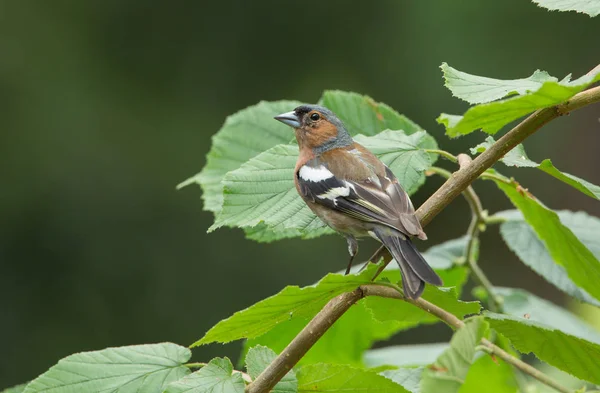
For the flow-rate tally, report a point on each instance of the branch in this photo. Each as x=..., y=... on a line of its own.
x=477, y=220
x=304, y=341
x=461, y=179
x=443, y=153
x=443, y=315
x=526, y=368
x=452, y=321
x=465, y=176
x=453, y=187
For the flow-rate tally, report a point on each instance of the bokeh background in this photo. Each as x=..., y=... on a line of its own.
x=106, y=105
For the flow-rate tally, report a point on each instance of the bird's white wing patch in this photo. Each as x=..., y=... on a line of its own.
x=317, y=174
x=334, y=193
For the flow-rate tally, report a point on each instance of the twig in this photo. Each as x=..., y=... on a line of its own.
x=468, y=193
x=453, y=187
x=385, y=291
x=478, y=217
x=495, y=176
x=455, y=323
x=465, y=176
x=195, y=365
x=461, y=179
x=447, y=155
x=526, y=368
x=304, y=341
x=493, y=220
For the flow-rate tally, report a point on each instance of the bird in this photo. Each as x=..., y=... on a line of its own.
x=356, y=194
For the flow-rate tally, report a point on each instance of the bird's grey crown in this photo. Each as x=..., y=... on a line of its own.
x=343, y=137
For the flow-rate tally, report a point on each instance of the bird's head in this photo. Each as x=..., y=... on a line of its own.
x=316, y=127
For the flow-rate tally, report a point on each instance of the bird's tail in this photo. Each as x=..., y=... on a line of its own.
x=413, y=267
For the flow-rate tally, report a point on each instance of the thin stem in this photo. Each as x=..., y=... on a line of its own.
x=443, y=153
x=455, y=323
x=495, y=176
x=494, y=301
x=468, y=193
x=195, y=365
x=453, y=187
x=526, y=368
x=478, y=218
x=493, y=220
x=298, y=347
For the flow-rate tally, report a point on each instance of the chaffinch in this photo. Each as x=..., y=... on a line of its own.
x=354, y=193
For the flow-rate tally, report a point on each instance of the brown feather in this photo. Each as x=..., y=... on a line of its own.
x=315, y=134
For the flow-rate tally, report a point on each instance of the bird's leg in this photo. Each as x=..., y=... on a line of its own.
x=352, y=249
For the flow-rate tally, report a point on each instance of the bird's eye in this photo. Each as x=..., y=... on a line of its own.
x=315, y=116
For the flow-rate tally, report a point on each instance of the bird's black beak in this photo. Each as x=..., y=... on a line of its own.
x=289, y=118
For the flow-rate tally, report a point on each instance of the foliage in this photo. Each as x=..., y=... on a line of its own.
x=567, y=352
x=248, y=183
x=590, y=7
x=538, y=91
x=258, y=358
x=522, y=239
x=148, y=368
x=449, y=371
x=517, y=157
x=216, y=377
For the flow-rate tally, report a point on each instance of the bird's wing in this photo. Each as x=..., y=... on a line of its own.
x=377, y=199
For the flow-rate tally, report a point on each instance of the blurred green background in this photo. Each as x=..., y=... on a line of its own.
x=107, y=105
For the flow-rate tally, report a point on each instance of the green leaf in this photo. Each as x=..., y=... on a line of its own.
x=262, y=233
x=446, y=254
x=491, y=117
x=574, y=355
x=257, y=360
x=449, y=371
x=137, y=368
x=531, y=250
x=216, y=377
x=495, y=374
x=344, y=343
x=584, y=186
x=480, y=89
x=520, y=303
x=405, y=355
x=362, y=115
x=15, y=389
x=291, y=302
x=244, y=135
x=357, y=330
x=448, y=120
x=385, y=309
x=565, y=248
x=262, y=190
x=517, y=157
x=590, y=7
x=403, y=154
x=251, y=131
x=409, y=378
x=342, y=378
